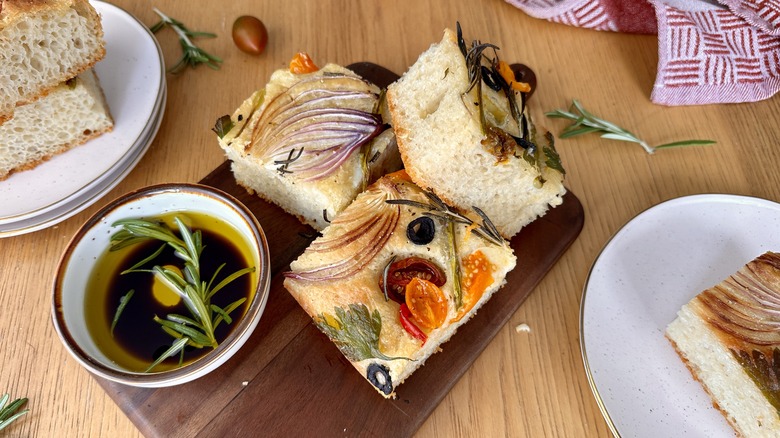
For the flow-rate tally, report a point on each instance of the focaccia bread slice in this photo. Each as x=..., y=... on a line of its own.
x=461, y=138
x=729, y=339
x=73, y=113
x=43, y=43
x=395, y=275
x=310, y=142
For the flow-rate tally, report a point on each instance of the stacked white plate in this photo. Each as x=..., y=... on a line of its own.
x=132, y=75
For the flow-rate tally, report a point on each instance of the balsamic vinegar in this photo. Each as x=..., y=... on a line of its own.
x=137, y=340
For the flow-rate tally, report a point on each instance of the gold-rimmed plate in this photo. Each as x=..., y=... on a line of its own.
x=656, y=263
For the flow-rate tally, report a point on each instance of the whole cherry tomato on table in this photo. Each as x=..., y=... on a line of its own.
x=250, y=35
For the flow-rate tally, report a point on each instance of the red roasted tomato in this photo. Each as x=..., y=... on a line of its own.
x=403, y=271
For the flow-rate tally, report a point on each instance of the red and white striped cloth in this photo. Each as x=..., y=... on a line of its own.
x=708, y=52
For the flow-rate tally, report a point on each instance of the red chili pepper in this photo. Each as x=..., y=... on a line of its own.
x=405, y=315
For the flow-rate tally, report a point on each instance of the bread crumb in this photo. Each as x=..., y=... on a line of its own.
x=523, y=328
x=245, y=383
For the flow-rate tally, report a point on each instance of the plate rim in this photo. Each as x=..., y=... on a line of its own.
x=61, y=209
x=685, y=199
x=92, y=192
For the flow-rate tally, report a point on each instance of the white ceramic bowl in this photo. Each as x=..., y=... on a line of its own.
x=93, y=239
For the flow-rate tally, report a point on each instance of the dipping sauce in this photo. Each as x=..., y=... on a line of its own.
x=137, y=339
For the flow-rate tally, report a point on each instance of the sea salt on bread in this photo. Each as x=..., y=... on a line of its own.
x=43, y=43
x=441, y=140
x=728, y=338
x=338, y=280
x=310, y=142
x=71, y=114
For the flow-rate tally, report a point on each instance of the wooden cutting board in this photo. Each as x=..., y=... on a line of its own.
x=290, y=380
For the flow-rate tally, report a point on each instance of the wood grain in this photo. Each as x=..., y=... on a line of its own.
x=523, y=384
x=288, y=362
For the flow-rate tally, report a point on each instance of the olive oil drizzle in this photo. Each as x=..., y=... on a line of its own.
x=197, y=329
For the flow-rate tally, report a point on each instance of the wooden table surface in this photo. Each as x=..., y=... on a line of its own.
x=524, y=384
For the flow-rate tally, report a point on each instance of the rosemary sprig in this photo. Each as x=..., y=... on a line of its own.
x=437, y=208
x=585, y=123
x=484, y=70
x=122, y=304
x=196, y=330
x=11, y=412
x=192, y=55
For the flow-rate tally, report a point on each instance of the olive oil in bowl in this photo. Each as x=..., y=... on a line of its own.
x=137, y=339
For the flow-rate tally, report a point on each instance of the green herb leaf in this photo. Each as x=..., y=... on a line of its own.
x=223, y=125
x=11, y=412
x=585, y=122
x=228, y=309
x=178, y=345
x=122, y=303
x=356, y=332
x=192, y=55
x=229, y=279
x=684, y=143
x=457, y=288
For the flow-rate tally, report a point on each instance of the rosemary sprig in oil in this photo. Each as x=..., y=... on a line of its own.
x=586, y=123
x=10, y=412
x=197, y=329
x=192, y=55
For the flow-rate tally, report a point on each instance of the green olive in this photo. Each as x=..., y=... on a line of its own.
x=250, y=35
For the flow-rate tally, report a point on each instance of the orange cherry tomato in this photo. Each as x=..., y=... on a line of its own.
x=302, y=63
x=477, y=277
x=427, y=303
x=509, y=76
x=401, y=272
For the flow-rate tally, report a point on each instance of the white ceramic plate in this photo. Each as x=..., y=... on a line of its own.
x=656, y=263
x=133, y=79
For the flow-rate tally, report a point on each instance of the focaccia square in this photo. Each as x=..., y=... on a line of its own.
x=395, y=274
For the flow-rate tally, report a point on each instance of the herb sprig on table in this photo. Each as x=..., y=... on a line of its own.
x=196, y=330
x=586, y=123
x=192, y=55
x=11, y=412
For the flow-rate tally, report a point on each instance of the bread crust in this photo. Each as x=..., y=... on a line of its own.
x=14, y=11
x=46, y=107
x=61, y=149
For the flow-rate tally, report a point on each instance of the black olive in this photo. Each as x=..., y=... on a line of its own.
x=379, y=376
x=421, y=230
x=523, y=73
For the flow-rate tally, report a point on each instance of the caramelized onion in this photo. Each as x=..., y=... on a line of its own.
x=316, y=120
x=746, y=306
x=359, y=233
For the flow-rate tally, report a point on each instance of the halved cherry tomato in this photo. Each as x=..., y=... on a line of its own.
x=405, y=316
x=477, y=277
x=403, y=271
x=508, y=74
x=427, y=303
x=302, y=63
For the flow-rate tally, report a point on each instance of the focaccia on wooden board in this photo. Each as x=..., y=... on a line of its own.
x=395, y=274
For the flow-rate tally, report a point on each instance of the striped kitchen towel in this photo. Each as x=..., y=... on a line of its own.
x=708, y=52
